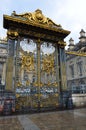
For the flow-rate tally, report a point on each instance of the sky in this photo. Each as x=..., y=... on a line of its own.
x=69, y=13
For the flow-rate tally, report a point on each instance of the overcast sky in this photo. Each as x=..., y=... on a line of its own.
x=71, y=14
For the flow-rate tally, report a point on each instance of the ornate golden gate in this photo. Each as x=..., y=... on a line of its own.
x=36, y=60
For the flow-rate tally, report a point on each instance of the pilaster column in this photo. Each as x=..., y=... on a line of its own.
x=12, y=35
x=62, y=65
x=17, y=65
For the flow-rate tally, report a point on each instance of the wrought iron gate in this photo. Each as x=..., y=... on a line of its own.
x=36, y=60
x=36, y=75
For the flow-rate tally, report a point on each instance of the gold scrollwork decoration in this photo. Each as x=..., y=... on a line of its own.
x=36, y=84
x=12, y=34
x=27, y=62
x=55, y=84
x=38, y=18
x=62, y=43
x=48, y=64
x=18, y=84
x=27, y=82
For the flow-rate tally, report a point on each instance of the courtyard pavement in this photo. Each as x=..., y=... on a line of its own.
x=59, y=120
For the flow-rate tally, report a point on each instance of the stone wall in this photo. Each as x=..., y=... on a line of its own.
x=79, y=100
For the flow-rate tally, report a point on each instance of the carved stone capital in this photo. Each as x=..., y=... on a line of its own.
x=62, y=44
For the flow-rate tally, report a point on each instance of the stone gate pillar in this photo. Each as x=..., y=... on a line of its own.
x=12, y=35
x=62, y=59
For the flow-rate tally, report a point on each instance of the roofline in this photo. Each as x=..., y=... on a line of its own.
x=7, y=18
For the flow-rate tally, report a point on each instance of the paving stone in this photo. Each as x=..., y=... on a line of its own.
x=60, y=120
x=9, y=123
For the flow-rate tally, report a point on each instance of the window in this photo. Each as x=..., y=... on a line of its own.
x=72, y=70
x=79, y=67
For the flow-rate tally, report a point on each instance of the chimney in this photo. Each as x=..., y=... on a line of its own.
x=82, y=36
x=71, y=44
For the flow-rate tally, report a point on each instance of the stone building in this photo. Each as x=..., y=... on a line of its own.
x=76, y=65
x=3, y=57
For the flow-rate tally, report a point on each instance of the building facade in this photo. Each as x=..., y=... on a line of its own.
x=3, y=57
x=76, y=65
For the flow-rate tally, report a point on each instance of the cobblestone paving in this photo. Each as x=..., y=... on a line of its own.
x=82, y=111
x=9, y=123
x=27, y=123
x=60, y=120
x=65, y=120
